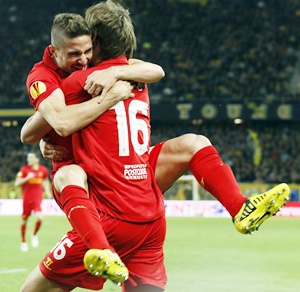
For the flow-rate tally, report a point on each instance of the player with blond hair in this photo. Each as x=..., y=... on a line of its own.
x=206, y=154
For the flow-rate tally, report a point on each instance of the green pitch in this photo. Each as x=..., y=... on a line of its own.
x=201, y=255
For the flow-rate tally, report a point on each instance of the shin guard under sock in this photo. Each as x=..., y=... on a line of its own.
x=83, y=216
x=217, y=178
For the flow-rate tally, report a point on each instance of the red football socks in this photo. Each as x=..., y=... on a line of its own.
x=37, y=227
x=217, y=178
x=83, y=216
x=23, y=232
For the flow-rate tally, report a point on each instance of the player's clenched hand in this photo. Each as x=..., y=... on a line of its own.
x=121, y=90
x=101, y=81
x=52, y=152
x=30, y=175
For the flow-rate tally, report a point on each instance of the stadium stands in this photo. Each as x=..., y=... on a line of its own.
x=210, y=50
x=279, y=159
x=221, y=49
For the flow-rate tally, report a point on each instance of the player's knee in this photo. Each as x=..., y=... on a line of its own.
x=39, y=216
x=193, y=142
x=202, y=141
x=70, y=175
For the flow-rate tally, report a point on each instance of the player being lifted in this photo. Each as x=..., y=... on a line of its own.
x=205, y=163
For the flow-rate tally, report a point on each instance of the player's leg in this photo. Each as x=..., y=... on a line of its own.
x=71, y=188
x=69, y=175
x=141, y=246
x=36, y=282
x=24, y=219
x=144, y=288
x=196, y=153
x=175, y=156
x=39, y=218
x=62, y=268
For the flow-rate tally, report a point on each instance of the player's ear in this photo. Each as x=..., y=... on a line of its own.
x=52, y=50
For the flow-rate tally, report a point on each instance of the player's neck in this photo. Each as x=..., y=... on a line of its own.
x=35, y=166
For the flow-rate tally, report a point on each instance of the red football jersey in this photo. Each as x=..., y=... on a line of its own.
x=113, y=150
x=42, y=80
x=32, y=190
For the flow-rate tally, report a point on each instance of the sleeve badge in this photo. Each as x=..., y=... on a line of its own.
x=37, y=88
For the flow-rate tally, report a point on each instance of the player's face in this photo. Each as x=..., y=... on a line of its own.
x=75, y=54
x=31, y=159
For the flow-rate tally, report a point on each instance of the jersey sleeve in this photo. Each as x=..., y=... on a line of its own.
x=73, y=88
x=40, y=84
x=22, y=172
x=45, y=172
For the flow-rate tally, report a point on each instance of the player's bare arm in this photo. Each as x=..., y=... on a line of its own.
x=46, y=188
x=21, y=180
x=137, y=70
x=61, y=117
x=64, y=120
x=34, y=129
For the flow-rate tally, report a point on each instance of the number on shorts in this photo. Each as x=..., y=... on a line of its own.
x=59, y=250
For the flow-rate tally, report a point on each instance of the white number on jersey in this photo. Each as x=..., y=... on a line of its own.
x=135, y=125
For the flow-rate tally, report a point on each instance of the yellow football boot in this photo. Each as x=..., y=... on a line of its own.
x=107, y=264
x=259, y=208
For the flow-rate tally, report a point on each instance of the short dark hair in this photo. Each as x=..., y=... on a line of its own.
x=67, y=26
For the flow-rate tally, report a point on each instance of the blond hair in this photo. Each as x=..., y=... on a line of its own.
x=112, y=28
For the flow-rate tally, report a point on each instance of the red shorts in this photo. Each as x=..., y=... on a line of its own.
x=56, y=196
x=140, y=247
x=29, y=207
x=153, y=154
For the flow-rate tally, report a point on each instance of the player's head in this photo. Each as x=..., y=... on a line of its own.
x=112, y=31
x=32, y=159
x=71, y=44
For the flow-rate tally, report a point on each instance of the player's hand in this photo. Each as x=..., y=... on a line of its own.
x=121, y=90
x=101, y=81
x=52, y=152
x=30, y=175
x=48, y=195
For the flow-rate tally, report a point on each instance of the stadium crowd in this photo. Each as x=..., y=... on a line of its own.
x=277, y=147
x=208, y=49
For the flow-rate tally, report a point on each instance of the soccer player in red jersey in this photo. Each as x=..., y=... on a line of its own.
x=33, y=178
x=71, y=50
x=113, y=151
x=42, y=93
x=195, y=153
x=138, y=233
x=133, y=141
